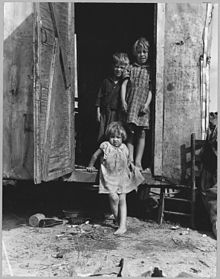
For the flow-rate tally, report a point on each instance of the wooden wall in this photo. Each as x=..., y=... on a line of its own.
x=184, y=24
x=18, y=91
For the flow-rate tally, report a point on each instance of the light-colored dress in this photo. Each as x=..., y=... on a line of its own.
x=140, y=84
x=115, y=175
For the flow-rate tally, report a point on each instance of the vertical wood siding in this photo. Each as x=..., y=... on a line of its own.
x=184, y=26
x=55, y=124
x=18, y=91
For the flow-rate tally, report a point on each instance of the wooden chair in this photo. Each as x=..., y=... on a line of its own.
x=185, y=192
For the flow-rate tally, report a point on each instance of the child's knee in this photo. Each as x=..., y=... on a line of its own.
x=142, y=133
x=114, y=197
x=122, y=198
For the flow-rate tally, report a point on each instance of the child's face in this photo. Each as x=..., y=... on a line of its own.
x=142, y=55
x=118, y=70
x=115, y=140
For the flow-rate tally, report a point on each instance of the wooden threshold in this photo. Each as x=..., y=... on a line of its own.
x=83, y=176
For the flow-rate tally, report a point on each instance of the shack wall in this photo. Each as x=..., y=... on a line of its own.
x=18, y=91
x=184, y=24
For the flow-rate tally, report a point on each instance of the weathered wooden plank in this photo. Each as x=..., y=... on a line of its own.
x=49, y=119
x=184, y=25
x=36, y=94
x=54, y=109
x=62, y=39
x=158, y=145
x=17, y=90
x=59, y=156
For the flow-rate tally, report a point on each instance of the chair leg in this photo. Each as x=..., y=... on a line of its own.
x=193, y=201
x=161, y=206
x=193, y=214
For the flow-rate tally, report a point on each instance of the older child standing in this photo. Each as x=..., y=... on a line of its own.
x=136, y=103
x=108, y=101
x=116, y=178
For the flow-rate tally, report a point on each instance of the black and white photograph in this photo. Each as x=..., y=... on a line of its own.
x=109, y=139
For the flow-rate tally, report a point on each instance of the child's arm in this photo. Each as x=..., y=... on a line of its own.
x=98, y=114
x=123, y=94
x=95, y=156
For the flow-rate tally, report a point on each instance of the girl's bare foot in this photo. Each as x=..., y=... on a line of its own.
x=120, y=231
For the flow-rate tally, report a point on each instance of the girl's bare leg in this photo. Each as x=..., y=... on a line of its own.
x=114, y=204
x=130, y=145
x=123, y=214
x=140, y=148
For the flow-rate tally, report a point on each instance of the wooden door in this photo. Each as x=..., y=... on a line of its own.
x=17, y=159
x=53, y=91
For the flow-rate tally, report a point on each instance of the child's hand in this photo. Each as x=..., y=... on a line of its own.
x=124, y=106
x=143, y=110
x=91, y=169
x=98, y=116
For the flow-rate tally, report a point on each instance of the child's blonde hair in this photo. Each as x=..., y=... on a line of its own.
x=140, y=43
x=115, y=129
x=120, y=58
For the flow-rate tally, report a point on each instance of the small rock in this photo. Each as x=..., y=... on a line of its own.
x=195, y=270
x=174, y=227
x=157, y=273
x=58, y=255
x=184, y=233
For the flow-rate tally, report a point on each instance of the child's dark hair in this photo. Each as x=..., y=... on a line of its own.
x=115, y=129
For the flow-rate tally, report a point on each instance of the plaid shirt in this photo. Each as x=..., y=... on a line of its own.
x=137, y=93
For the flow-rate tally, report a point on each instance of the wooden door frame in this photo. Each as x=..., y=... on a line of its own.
x=159, y=90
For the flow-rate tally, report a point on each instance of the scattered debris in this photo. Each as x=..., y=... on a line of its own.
x=35, y=219
x=157, y=273
x=195, y=270
x=121, y=264
x=73, y=250
x=49, y=222
x=204, y=263
x=40, y=220
x=184, y=232
x=59, y=255
x=174, y=227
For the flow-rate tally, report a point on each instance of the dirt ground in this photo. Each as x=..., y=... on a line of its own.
x=89, y=248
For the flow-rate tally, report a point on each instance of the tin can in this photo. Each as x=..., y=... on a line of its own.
x=34, y=220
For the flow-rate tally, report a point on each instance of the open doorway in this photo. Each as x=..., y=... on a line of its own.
x=102, y=29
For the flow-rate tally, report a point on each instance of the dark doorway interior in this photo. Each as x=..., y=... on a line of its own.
x=101, y=30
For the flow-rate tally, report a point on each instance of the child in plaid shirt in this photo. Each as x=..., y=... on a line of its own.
x=136, y=101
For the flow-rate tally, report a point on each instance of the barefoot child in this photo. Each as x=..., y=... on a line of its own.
x=136, y=103
x=116, y=178
x=108, y=101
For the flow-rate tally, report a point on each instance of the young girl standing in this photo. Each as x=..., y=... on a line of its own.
x=108, y=101
x=136, y=103
x=116, y=179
